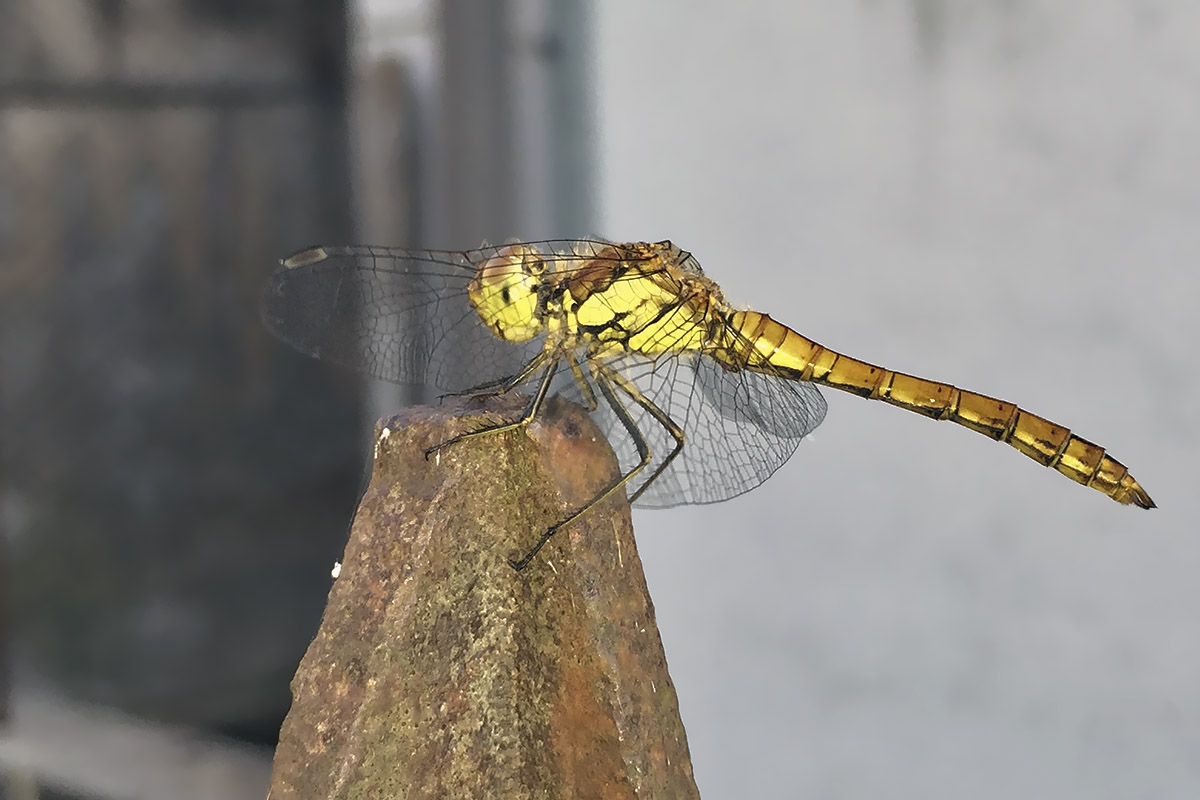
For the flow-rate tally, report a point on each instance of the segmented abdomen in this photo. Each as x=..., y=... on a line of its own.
x=767, y=342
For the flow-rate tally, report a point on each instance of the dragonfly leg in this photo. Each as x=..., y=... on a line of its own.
x=501, y=385
x=660, y=417
x=589, y=396
x=602, y=378
x=531, y=411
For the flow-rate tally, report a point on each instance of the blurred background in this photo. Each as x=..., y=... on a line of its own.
x=1000, y=194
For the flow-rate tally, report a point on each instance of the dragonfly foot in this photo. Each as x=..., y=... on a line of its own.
x=430, y=451
x=467, y=434
x=523, y=562
x=477, y=397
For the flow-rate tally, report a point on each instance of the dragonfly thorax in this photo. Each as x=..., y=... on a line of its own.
x=505, y=293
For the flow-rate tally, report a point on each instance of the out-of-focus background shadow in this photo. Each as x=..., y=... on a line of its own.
x=175, y=486
x=1001, y=195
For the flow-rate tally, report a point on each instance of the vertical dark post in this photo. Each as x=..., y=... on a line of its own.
x=5, y=655
x=482, y=194
x=324, y=59
x=572, y=117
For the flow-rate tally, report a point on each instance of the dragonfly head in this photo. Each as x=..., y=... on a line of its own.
x=505, y=292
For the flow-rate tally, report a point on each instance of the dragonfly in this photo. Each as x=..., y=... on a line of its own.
x=700, y=400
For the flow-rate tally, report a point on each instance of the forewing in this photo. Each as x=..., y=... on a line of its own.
x=400, y=315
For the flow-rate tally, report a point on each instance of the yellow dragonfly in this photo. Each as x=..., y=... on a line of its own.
x=701, y=401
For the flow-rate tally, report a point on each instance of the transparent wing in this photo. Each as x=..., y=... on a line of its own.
x=399, y=315
x=739, y=426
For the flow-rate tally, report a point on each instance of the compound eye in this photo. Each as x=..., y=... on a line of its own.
x=505, y=292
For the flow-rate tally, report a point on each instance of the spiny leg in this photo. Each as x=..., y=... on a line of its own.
x=498, y=386
x=501, y=385
x=606, y=379
x=531, y=411
x=660, y=417
x=643, y=448
x=581, y=381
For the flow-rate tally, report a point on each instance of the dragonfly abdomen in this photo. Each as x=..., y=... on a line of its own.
x=1052, y=445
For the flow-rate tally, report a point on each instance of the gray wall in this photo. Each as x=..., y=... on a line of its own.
x=1001, y=195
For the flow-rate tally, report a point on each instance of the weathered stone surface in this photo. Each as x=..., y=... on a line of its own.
x=440, y=672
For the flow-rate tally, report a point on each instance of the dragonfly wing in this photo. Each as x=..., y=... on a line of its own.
x=399, y=315
x=739, y=426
